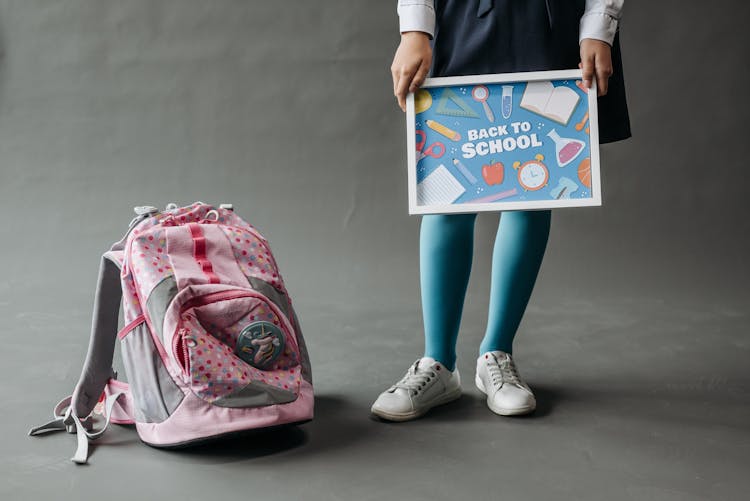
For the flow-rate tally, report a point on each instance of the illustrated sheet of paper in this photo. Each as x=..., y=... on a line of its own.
x=508, y=145
x=440, y=187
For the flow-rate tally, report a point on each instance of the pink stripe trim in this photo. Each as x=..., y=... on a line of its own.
x=132, y=325
x=120, y=385
x=157, y=342
x=199, y=253
x=122, y=412
x=222, y=256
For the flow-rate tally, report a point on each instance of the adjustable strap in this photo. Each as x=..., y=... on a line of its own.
x=61, y=421
x=66, y=420
x=86, y=434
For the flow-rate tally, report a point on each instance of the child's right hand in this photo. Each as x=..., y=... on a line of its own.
x=410, y=64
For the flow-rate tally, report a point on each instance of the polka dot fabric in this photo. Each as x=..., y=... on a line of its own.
x=254, y=255
x=215, y=371
x=149, y=259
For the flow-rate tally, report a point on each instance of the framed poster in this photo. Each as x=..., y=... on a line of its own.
x=515, y=141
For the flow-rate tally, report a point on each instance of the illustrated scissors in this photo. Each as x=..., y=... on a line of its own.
x=435, y=150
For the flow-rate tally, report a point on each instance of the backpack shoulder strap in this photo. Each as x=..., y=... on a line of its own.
x=98, y=379
x=97, y=368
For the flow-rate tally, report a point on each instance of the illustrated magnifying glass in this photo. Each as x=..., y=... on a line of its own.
x=481, y=93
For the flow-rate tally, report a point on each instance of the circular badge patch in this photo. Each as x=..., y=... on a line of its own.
x=260, y=344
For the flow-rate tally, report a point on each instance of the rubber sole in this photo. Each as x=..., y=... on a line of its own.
x=500, y=410
x=408, y=416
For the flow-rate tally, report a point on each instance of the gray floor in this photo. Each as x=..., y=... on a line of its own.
x=636, y=340
x=640, y=397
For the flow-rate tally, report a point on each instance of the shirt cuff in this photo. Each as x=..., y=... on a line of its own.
x=416, y=15
x=599, y=26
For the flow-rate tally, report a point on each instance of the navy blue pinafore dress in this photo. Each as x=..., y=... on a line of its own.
x=502, y=36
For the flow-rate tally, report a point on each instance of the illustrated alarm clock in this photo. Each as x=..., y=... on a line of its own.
x=532, y=175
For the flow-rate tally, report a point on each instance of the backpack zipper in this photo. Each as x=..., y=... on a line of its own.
x=180, y=349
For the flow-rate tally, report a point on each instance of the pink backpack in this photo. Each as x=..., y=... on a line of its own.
x=211, y=344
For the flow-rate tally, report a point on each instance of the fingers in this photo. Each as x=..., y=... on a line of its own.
x=587, y=67
x=596, y=62
x=408, y=79
x=396, y=74
x=410, y=64
x=403, y=82
x=419, y=77
x=603, y=69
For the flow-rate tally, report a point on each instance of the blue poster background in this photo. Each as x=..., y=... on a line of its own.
x=487, y=166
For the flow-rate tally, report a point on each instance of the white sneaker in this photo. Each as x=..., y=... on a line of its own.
x=427, y=383
x=498, y=378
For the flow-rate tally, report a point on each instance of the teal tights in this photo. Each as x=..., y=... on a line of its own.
x=446, y=248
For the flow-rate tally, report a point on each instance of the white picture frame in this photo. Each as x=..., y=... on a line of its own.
x=440, y=191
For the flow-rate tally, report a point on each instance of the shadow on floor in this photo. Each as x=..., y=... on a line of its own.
x=251, y=444
x=337, y=423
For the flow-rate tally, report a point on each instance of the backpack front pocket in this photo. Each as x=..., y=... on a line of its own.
x=237, y=349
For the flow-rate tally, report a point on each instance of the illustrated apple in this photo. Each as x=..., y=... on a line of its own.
x=494, y=173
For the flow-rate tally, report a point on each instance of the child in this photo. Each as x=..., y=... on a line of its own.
x=477, y=37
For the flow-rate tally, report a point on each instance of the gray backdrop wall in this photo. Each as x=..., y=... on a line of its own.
x=285, y=109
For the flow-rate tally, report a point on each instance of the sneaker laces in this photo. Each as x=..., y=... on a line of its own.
x=504, y=371
x=415, y=380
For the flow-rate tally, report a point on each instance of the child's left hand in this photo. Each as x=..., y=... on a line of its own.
x=596, y=61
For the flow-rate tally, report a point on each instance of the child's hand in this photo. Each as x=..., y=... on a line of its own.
x=410, y=64
x=596, y=61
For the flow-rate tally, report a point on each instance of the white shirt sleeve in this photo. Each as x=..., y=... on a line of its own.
x=600, y=20
x=417, y=15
